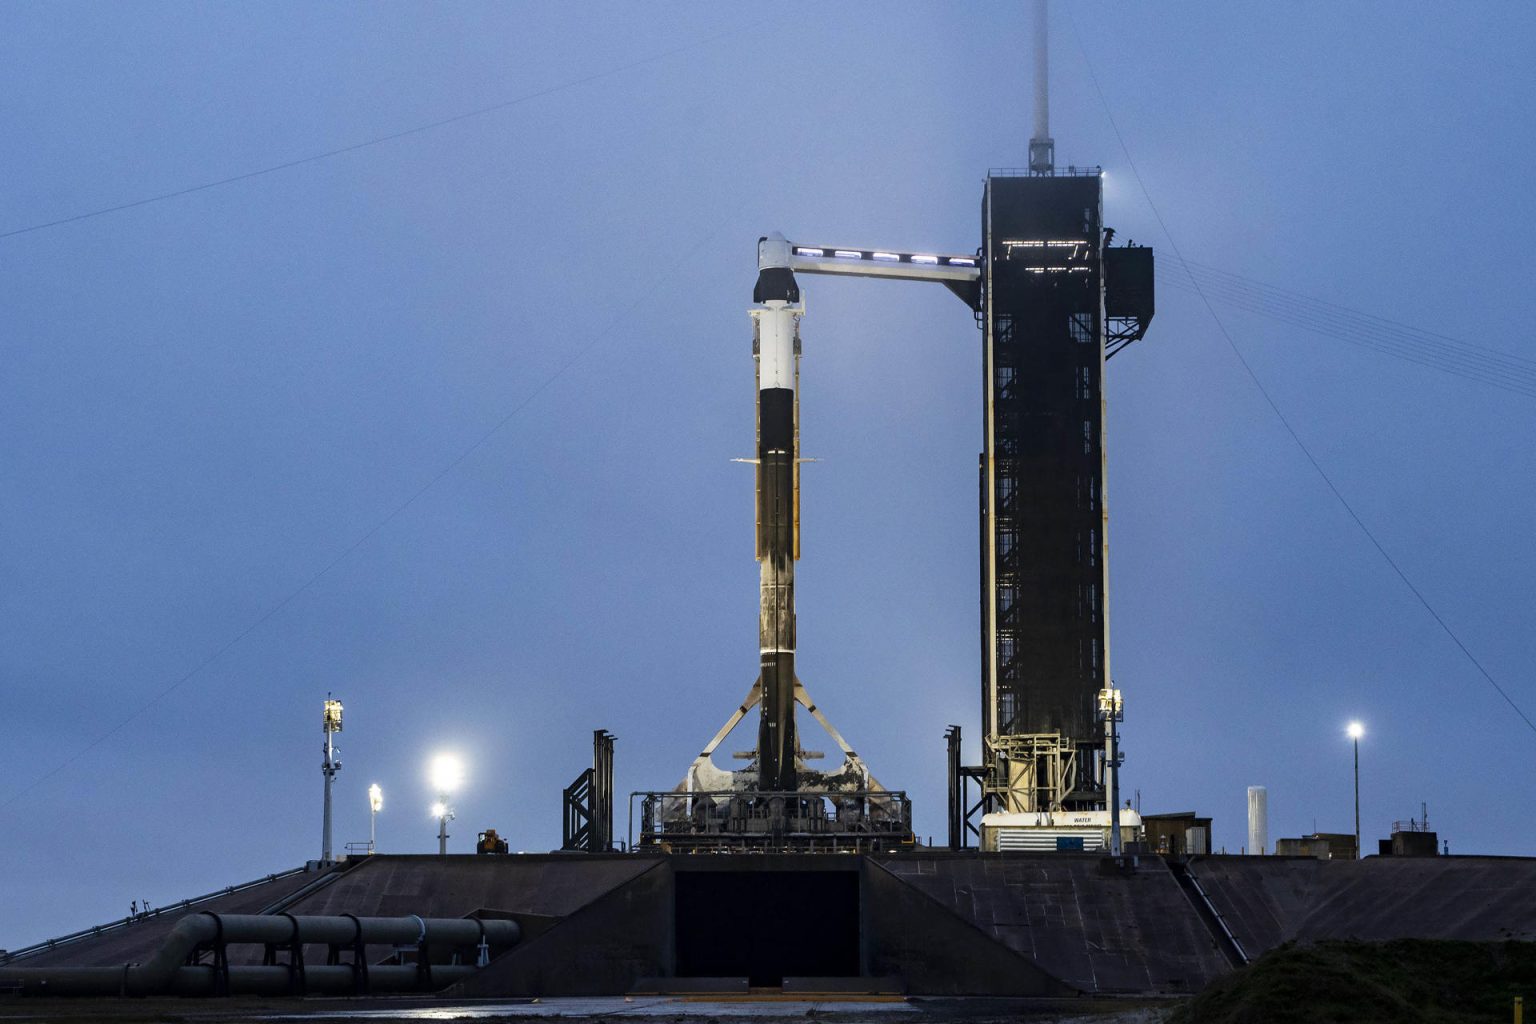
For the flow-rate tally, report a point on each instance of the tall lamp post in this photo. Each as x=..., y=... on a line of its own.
x=447, y=774
x=375, y=805
x=329, y=767
x=1356, y=730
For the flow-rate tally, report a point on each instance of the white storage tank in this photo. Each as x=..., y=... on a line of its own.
x=1258, y=820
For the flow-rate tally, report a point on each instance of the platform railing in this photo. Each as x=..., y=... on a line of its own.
x=1070, y=171
x=817, y=821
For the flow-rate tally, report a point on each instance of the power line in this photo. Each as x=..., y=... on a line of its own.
x=1356, y=328
x=367, y=143
x=479, y=442
x=646, y=294
x=1369, y=321
x=1392, y=341
x=1440, y=358
x=1275, y=408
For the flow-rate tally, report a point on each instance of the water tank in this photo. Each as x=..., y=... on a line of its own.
x=1258, y=820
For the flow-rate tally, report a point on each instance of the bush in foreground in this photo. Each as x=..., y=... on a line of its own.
x=1407, y=981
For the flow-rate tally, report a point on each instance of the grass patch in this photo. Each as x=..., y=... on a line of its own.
x=1407, y=981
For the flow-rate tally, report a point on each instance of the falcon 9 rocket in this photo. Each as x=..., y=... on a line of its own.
x=776, y=317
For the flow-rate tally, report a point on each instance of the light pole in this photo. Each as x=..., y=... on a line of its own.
x=1112, y=713
x=329, y=767
x=1356, y=730
x=375, y=805
x=443, y=813
x=447, y=774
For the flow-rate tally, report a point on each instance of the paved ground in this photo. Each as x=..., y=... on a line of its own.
x=691, y=1010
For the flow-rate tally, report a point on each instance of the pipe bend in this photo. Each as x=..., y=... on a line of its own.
x=185, y=936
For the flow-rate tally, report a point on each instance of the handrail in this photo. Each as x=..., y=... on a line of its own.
x=6, y=956
x=1071, y=171
x=1185, y=875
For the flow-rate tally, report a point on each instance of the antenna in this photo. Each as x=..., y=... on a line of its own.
x=1042, y=148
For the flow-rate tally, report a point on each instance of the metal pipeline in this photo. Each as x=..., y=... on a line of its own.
x=167, y=971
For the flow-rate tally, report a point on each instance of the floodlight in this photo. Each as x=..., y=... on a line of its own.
x=447, y=773
x=1356, y=730
x=332, y=715
x=375, y=798
x=439, y=810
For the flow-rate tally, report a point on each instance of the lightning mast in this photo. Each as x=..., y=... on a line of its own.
x=1042, y=148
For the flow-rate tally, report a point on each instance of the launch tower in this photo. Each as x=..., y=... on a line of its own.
x=1056, y=303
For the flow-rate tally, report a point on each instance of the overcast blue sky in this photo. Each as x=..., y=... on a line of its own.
x=207, y=401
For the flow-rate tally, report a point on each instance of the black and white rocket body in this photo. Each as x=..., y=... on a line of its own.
x=776, y=345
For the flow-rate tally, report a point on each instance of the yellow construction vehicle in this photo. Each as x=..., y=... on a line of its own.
x=490, y=842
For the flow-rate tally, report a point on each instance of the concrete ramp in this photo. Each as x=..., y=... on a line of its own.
x=457, y=885
x=534, y=889
x=1270, y=900
x=603, y=948
x=1076, y=917
x=130, y=940
x=936, y=949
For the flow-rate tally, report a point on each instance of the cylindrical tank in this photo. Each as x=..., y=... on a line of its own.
x=1258, y=820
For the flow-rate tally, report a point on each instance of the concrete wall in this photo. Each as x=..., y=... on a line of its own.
x=1270, y=900
x=1075, y=918
x=602, y=948
x=935, y=948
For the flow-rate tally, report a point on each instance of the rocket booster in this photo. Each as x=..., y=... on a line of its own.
x=776, y=315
